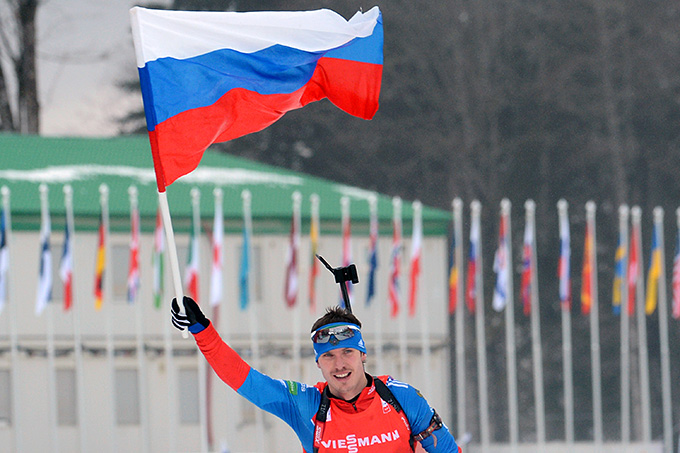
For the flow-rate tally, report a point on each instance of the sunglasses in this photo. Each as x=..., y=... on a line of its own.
x=338, y=333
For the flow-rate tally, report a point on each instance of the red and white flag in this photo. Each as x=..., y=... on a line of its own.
x=133, y=270
x=291, y=286
x=395, y=260
x=416, y=252
x=217, y=254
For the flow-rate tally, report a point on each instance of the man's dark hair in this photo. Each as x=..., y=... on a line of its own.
x=336, y=314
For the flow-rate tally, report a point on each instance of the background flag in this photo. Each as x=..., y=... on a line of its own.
x=191, y=273
x=133, y=269
x=527, y=253
x=210, y=77
x=587, y=272
x=653, y=275
x=314, y=262
x=416, y=252
x=4, y=258
x=619, y=275
x=217, y=254
x=66, y=267
x=564, y=264
x=245, y=270
x=453, y=275
x=100, y=265
x=471, y=291
x=157, y=259
x=633, y=270
x=44, y=294
x=372, y=249
x=291, y=287
x=395, y=260
x=500, y=266
x=676, y=278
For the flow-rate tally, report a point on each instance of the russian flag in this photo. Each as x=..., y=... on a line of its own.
x=210, y=77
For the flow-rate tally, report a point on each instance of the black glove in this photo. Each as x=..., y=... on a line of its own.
x=194, y=319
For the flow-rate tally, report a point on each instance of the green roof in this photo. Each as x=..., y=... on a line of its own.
x=26, y=161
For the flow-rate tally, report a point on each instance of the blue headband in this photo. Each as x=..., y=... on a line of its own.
x=355, y=342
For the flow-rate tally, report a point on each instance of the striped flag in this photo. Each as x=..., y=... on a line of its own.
x=527, y=256
x=157, y=259
x=564, y=264
x=372, y=253
x=653, y=275
x=191, y=272
x=291, y=285
x=676, y=278
x=395, y=264
x=453, y=276
x=66, y=267
x=500, y=267
x=633, y=269
x=619, y=275
x=100, y=265
x=217, y=254
x=587, y=272
x=416, y=252
x=314, y=262
x=473, y=258
x=133, y=268
x=4, y=258
x=245, y=270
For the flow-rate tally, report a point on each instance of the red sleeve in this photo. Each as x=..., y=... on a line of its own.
x=228, y=365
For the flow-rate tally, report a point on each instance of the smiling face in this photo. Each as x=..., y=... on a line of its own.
x=343, y=369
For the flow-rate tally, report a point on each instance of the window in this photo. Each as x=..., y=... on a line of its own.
x=188, y=396
x=5, y=398
x=67, y=414
x=127, y=397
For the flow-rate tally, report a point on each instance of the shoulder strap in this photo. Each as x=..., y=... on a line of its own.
x=386, y=394
x=320, y=420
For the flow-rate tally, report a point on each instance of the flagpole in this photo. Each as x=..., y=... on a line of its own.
x=254, y=340
x=377, y=307
x=475, y=208
x=625, y=331
x=636, y=214
x=461, y=401
x=108, y=313
x=297, y=363
x=416, y=235
x=663, y=337
x=595, y=328
x=77, y=337
x=13, y=336
x=51, y=369
x=403, y=346
x=562, y=207
x=139, y=336
x=536, y=348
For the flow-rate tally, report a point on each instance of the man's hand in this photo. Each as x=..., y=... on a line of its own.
x=193, y=319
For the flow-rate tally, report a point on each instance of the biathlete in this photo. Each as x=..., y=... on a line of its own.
x=351, y=411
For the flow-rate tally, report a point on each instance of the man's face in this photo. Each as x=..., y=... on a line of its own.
x=343, y=369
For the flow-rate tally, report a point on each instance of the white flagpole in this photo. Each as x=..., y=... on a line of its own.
x=139, y=336
x=595, y=329
x=568, y=375
x=461, y=401
x=77, y=338
x=510, y=330
x=254, y=340
x=403, y=346
x=297, y=362
x=377, y=307
x=636, y=214
x=13, y=336
x=421, y=306
x=475, y=229
x=201, y=363
x=108, y=313
x=625, y=331
x=51, y=368
x=663, y=337
x=536, y=348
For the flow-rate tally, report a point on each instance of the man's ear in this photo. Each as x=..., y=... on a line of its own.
x=364, y=356
x=317, y=365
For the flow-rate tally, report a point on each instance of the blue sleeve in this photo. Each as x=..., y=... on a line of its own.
x=293, y=402
x=419, y=414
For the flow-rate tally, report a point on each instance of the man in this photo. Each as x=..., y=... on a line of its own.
x=351, y=412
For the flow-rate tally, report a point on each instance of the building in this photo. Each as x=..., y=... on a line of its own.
x=119, y=378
